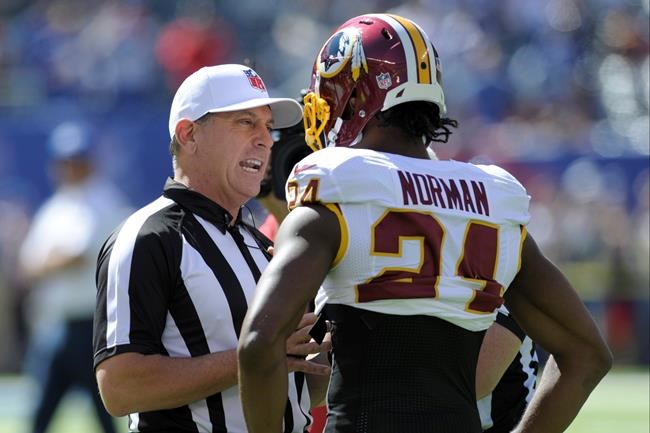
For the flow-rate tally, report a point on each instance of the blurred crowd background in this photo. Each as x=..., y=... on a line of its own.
x=556, y=91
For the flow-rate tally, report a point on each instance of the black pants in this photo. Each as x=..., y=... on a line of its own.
x=71, y=364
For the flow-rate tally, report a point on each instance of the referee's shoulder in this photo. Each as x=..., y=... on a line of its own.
x=156, y=221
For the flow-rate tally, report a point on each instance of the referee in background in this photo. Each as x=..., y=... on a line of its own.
x=512, y=388
x=174, y=280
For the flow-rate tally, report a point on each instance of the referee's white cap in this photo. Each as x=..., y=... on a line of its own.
x=231, y=87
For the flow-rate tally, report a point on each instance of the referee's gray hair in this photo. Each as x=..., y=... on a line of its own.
x=173, y=147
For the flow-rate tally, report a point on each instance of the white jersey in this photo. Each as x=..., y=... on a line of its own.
x=74, y=221
x=418, y=236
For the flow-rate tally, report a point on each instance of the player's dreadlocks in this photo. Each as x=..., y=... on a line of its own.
x=419, y=119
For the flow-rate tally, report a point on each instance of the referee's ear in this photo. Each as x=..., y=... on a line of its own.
x=184, y=134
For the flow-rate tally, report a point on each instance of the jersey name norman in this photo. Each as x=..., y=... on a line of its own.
x=466, y=195
x=439, y=238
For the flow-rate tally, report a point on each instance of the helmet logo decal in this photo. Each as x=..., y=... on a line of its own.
x=383, y=80
x=343, y=47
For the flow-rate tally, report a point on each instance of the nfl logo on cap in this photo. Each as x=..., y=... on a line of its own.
x=255, y=79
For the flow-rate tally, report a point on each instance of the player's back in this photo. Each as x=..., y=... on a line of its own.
x=426, y=250
x=439, y=238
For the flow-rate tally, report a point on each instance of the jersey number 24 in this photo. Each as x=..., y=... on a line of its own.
x=477, y=261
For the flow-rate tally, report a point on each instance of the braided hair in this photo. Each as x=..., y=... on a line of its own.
x=418, y=119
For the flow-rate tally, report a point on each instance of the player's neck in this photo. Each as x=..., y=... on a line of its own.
x=392, y=140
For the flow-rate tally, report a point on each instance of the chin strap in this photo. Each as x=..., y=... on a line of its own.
x=356, y=140
x=333, y=135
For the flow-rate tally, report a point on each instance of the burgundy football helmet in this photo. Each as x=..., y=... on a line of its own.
x=384, y=60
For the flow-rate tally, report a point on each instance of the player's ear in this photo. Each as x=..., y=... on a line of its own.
x=185, y=135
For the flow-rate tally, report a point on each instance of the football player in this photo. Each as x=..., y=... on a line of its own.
x=414, y=257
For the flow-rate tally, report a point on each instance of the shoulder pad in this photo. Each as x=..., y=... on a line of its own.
x=337, y=175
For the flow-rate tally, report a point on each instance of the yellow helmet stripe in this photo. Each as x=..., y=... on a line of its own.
x=420, y=47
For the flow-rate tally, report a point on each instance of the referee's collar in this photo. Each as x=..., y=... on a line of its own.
x=199, y=204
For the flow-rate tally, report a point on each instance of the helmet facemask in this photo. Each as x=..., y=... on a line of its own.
x=316, y=114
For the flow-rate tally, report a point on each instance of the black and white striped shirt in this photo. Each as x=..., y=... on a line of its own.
x=175, y=279
x=502, y=409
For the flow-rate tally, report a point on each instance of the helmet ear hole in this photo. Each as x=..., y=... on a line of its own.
x=350, y=107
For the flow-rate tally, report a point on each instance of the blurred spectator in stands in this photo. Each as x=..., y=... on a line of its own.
x=627, y=298
x=641, y=256
x=14, y=222
x=57, y=261
x=197, y=37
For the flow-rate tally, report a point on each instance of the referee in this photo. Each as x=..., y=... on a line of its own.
x=502, y=408
x=174, y=280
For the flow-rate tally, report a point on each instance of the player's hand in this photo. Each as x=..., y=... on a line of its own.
x=300, y=345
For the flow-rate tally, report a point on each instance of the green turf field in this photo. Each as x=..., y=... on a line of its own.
x=620, y=404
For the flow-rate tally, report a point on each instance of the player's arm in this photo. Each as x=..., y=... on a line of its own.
x=306, y=245
x=499, y=348
x=549, y=310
